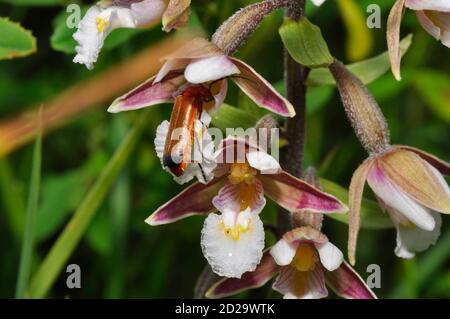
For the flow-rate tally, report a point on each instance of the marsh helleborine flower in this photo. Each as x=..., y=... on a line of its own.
x=305, y=261
x=407, y=182
x=195, y=76
x=104, y=17
x=433, y=15
x=233, y=240
x=201, y=62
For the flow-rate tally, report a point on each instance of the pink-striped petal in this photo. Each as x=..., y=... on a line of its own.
x=438, y=5
x=149, y=93
x=442, y=166
x=210, y=69
x=346, y=283
x=194, y=200
x=393, y=37
x=261, y=91
x=296, y=195
x=313, y=281
x=355, y=193
x=228, y=200
x=266, y=269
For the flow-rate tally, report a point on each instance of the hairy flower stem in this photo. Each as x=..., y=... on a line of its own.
x=295, y=78
x=236, y=29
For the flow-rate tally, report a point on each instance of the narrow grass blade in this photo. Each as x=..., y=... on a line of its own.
x=73, y=232
x=28, y=239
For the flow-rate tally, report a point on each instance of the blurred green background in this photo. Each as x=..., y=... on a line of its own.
x=120, y=255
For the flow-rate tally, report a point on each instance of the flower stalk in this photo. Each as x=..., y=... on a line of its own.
x=295, y=78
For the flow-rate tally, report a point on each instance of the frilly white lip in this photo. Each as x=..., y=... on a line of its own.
x=99, y=21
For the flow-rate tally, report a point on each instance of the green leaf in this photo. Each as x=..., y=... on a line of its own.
x=305, y=43
x=73, y=232
x=434, y=88
x=367, y=71
x=28, y=239
x=228, y=116
x=15, y=41
x=372, y=217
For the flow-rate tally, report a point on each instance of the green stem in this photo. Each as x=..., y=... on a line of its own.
x=73, y=232
x=28, y=239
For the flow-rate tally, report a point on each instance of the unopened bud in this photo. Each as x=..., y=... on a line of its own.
x=233, y=32
x=362, y=110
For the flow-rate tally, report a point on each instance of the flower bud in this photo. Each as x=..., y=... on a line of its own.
x=362, y=110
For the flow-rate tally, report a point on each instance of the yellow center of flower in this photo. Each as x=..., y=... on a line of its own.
x=101, y=24
x=304, y=262
x=407, y=225
x=305, y=258
x=242, y=173
x=236, y=232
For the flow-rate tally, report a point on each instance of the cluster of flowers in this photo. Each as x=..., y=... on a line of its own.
x=406, y=181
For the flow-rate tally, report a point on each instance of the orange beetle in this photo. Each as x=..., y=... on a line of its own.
x=188, y=107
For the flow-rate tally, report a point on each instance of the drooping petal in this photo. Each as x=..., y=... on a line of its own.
x=194, y=200
x=395, y=198
x=261, y=91
x=295, y=195
x=330, y=256
x=437, y=24
x=355, y=193
x=416, y=178
x=411, y=240
x=176, y=14
x=438, y=5
x=266, y=269
x=295, y=284
x=210, y=69
x=263, y=162
x=283, y=252
x=229, y=201
x=442, y=166
x=346, y=283
x=228, y=256
x=148, y=94
x=393, y=36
